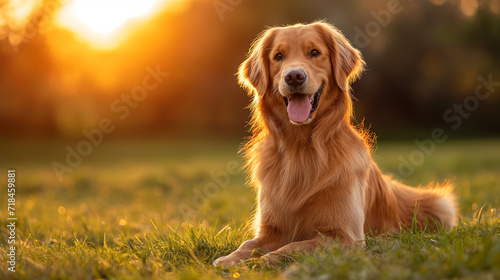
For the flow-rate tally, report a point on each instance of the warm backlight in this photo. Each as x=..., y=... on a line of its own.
x=105, y=23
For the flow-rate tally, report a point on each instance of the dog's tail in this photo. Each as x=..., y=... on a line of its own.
x=430, y=205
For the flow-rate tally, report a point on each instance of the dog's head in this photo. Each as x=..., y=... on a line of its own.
x=301, y=70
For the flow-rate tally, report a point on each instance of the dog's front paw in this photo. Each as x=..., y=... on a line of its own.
x=225, y=261
x=270, y=259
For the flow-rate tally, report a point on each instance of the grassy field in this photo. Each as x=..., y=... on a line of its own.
x=166, y=210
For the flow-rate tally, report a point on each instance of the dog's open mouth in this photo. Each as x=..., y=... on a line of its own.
x=300, y=106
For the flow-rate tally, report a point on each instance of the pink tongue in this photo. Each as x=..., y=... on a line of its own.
x=299, y=108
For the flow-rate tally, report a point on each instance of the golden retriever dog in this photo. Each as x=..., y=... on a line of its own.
x=311, y=168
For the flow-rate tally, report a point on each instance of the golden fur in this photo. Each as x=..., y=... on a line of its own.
x=317, y=178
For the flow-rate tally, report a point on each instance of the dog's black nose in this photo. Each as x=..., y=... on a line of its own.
x=295, y=77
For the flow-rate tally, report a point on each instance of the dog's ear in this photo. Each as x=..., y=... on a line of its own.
x=253, y=73
x=347, y=62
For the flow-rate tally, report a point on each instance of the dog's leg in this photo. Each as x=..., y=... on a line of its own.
x=273, y=258
x=251, y=248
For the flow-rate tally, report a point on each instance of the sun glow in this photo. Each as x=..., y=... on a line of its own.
x=22, y=9
x=105, y=23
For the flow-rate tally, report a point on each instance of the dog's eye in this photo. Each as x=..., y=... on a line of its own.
x=315, y=53
x=278, y=56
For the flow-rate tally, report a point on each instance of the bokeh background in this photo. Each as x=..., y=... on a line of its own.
x=63, y=64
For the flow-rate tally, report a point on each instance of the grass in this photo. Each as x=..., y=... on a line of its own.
x=156, y=210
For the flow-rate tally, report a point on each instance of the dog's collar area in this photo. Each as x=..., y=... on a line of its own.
x=314, y=101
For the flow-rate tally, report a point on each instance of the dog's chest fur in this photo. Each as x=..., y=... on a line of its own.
x=288, y=192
